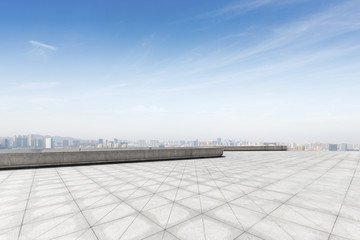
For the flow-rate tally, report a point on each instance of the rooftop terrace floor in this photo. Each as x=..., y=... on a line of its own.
x=244, y=195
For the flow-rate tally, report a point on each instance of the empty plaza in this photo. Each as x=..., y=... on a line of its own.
x=243, y=195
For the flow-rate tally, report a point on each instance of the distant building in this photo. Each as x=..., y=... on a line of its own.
x=154, y=143
x=142, y=143
x=195, y=143
x=298, y=148
x=6, y=143
x=49, y=143
x=269, y=144
x=21, y=141
x=76, y=143
x=333, y=147
x=65, y=143
x=343, y=147
x=35, y=141
x=30, y=141
x=40, y=143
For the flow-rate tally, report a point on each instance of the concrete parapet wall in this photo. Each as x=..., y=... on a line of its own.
x=20, y=160
x=255, y=148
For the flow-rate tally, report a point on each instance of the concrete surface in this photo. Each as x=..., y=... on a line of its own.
x=14, y=160
x=244, y=195
x=255, y=148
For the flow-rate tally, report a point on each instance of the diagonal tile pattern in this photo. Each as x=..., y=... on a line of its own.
x=244, y=195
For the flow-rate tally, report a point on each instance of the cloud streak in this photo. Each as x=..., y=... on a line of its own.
x=304, y=33
x=42, y=45
x=243, y=7
x=238, y=8
x=229, y=11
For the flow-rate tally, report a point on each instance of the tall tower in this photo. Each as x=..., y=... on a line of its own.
x=333, y=147
x=49, y=143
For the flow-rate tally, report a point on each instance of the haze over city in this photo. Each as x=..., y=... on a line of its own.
x=262, y=70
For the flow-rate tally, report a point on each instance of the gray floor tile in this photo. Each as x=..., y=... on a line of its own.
x=347, y=228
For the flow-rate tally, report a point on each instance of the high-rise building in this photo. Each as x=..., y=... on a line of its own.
x=40, y=143
x=299, y=148
x=35, y=141
x=21, y=141
x=5, y=143
x=343, y=147
x=65, y=143
x=154, y=143
x=76, y=143
x=30, y=142
x=333, y=147
x=49, y=143
x=195, y=143
x=142, y=143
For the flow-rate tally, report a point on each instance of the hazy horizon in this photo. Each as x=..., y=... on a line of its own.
x=272, y=70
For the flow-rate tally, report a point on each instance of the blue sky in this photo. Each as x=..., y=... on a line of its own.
x=273, y=70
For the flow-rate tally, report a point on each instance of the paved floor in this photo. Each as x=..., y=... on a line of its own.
x=245, y=195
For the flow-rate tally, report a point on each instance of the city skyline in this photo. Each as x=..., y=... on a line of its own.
x=36, y=142
x=262, y=69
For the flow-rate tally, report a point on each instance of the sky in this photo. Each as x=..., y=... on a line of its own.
x=261, y=70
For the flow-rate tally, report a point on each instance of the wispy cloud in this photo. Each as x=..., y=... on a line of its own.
x=232, y=10
x=338, y=20
x=240, y=8
x=243, y=7
x=237, y=8
x=42, y=45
